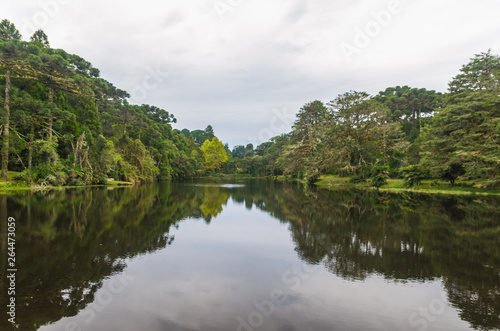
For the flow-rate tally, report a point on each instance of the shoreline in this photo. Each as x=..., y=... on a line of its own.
x=324, y=182
x=395, y=186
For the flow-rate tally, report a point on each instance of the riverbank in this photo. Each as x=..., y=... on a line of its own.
x=396, y=185
x=16, y=184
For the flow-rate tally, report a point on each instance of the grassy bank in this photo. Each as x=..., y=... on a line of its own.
x=16, y=183
x=396, y=185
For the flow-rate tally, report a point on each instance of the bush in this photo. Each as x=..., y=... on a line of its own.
x=312, y=177
x=76, y=182
x=380, y=174
x=28, y=176
x=357, y=179
x=102, y=180
x=453, y=171
x=376, y=170
x=46, y=174
x=412, y=176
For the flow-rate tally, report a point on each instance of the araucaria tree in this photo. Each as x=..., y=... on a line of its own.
x=466, y=131
x=61, y=124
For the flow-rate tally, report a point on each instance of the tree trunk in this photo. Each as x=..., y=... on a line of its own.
x=30, y=149
x=3, y=242
x=385, y=147
x=413, y=114
x=51, y=118
x=420, y=117
x=5, y=148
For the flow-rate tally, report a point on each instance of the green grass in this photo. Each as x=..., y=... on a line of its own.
x=118, y=183
x=15, y=183
x=396, y=185
x=330, y=181
x=11, y=175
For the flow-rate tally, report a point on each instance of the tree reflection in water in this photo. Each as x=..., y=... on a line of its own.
x=69, y=242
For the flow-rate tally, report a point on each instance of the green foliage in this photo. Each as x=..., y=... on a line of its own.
x=410, y=107
x=40, y=39
x=360, y=179
x=65, y=117
x=8, y=31
x=312, y=177
x=238, y=151
x=465, y=130
x=215, y=154
x=453, y=171
x=412, y=176
x=380, y=175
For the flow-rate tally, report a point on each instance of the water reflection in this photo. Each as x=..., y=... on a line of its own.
x=70, y=243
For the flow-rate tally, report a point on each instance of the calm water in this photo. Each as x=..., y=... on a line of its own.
x=252, y=255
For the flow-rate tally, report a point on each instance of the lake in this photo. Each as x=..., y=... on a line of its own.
x=249, y=255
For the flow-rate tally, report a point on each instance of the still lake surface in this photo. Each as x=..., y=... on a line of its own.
x=249, y=255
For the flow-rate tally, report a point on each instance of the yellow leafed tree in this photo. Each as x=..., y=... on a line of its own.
x=215, y=154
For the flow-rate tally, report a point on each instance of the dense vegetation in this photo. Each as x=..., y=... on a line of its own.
x=401, y=132
x=62, y=124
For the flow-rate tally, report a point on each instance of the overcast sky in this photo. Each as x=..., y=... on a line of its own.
x=247, y=66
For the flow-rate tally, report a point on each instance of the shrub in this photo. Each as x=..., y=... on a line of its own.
x=312, y=177
x=412, y=176
x=380, y=174
x=357, y=179
x=453, y=171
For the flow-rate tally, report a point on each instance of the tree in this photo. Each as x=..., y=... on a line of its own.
x=249, y=152
x=238, y=152
x=466, y=131
x=348, y=141
x=358, y=135
x=198, y=136
x=453, y=171
x=40, y=39
x=305, y=136
x=12, y=52
x=215, y=154
x=406, y=103
x=186, y=133
x=481, y=73
x=55, y=71
x=209, y=132
x=56, y=109
x=8, y=31
x=262, y=148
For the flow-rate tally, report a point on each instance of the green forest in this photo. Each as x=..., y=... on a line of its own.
x=62, y=124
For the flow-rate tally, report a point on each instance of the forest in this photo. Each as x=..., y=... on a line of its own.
x=63, y=124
